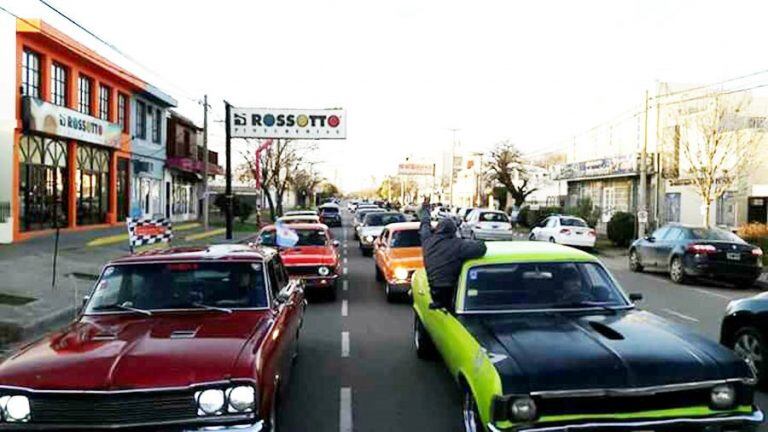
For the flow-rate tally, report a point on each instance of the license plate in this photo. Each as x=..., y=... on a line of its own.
x=494, y=227
x=579, y=232
x=735, y=256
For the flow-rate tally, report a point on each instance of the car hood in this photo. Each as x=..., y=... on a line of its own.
x=408, y=257
x=371, y=230
x=122, y=351
x=569, y=351
x=309, y=255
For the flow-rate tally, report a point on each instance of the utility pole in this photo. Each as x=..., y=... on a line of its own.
x=228, y=174
x=641, y=207
x=205, y=162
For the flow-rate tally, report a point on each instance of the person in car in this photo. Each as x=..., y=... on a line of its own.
x=444, y=254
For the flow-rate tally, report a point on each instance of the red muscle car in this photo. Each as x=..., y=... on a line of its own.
x=184, y=339
x=314, y=259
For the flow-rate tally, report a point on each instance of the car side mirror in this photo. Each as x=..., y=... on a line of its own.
x=650, y=239
x=635, y=297
x=85, y=300
x=335, y=243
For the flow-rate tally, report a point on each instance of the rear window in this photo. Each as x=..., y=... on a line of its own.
x=714, y=234
x=572, y=222
x=382, y=219
x=493, y=217
x=179, y=286
x=327, y=210
x=405, y=238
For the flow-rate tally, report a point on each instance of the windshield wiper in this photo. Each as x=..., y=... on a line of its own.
x=209, y=307
x=123, y=307
x=586, y=304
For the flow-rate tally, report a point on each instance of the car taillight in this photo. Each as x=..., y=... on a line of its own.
x=757, y=252
x=592, y=233
x=565, y=231
x=701, y=249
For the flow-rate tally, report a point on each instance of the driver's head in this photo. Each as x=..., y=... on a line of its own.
x=571, y=283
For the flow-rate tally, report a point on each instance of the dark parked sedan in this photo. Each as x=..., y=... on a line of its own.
x=745, y=330
x=686, y=252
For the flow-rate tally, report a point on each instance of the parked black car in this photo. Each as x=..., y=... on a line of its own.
x=690, y=251
x=745, y=330
x=330, y=215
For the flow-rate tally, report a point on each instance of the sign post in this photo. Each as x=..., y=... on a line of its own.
x=228, y=213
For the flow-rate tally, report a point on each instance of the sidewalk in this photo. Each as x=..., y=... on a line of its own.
x=26, y=273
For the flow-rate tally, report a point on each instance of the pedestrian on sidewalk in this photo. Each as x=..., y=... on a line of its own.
x=444, y=254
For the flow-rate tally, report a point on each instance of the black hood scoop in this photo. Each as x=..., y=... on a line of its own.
x=605, y=331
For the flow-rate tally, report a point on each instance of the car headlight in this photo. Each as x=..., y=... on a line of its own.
x=369, y=238
x=522, y=409
x=15, y=409
x=401, y=273
x=210, y=401
x=241, y=398
x=723, y=396
x=323, y=271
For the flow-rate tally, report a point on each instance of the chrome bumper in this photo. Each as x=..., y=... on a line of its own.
x=735, y=421
x=256, y=427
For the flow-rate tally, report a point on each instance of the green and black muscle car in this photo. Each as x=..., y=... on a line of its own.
x=543, y=339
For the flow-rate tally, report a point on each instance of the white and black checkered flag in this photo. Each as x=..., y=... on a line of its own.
x=148, y=231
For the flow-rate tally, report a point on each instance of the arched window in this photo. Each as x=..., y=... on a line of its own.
x=92, y=185
x=43, y=183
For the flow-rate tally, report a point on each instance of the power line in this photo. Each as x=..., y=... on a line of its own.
x=701, y=87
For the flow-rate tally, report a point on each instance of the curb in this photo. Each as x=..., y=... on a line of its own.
x=11, y=332
x=119, y=238
x=205, y=234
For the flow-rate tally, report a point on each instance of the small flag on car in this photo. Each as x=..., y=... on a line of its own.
x=286, y=237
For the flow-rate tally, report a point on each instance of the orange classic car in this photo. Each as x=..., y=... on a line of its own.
x=397, y=254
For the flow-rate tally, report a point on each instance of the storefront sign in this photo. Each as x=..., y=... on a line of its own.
x=288, y=123
x=148, y=231
x=607, y=167
x=41, y=116
x=416, y=169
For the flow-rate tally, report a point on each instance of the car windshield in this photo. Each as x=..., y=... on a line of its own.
x=329, y=210
x=526, y=286
x=572, y=222
x=189, y=285
x=382, y=219
x=714, y=234
x=307, y=237
x=405, y=238
x=493, y=217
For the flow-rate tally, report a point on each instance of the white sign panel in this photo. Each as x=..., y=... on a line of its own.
x=41, y=116
x=416, y=169
x=288, y=123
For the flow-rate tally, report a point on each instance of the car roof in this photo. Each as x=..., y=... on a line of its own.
x=202, y=253
x=295, y=217
x=301, y=226
x=406, y=226
x=530, y=251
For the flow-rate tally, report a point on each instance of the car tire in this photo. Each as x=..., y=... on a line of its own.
x=379, y=274
x=552, y=240
x=532, y=237
x=748, y=343
x=677, y=271
x=470, y=414
x=332, y=293
x=391, y=296
x=745, y=283
x=425, y=348
x=634, y=261
x=272, y=423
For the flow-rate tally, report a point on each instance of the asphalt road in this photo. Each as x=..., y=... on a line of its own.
x=357, y=369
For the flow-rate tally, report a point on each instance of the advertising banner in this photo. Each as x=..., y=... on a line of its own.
x=148, y=231
x=288, y=123
x=416, y=169
x=41, y=116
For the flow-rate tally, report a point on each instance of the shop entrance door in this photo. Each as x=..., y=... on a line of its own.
x=123, y=202
x=757, y=210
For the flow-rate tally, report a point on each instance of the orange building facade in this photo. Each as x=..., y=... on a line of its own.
x=72, y=138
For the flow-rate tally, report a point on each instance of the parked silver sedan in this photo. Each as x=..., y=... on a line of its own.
x=487, y=224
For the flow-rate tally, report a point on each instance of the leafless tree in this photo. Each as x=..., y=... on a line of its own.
x=718, y=142
x=507, y=167
x=305, y=180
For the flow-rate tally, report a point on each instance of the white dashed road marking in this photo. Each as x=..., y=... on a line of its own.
x=679, y=315
x=345, y=285
x=344, y=308
x=345, y=260
x=345, y=410
x=344, y=344
x=346, y=270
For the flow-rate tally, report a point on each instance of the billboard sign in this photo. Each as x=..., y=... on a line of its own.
x=416, y=169
x=288, y=123
x=41, y=116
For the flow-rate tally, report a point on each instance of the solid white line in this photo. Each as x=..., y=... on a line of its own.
x=345, y=284
x=345, y=410
x=679, y=315
x=714, y=294
x=345, y=270
x=344, y=308
x=344, y=344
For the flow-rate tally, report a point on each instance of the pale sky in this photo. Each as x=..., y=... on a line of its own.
x=535, y=72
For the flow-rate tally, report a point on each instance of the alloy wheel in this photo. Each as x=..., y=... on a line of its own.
x=634, y=263
x=749, y=347
x=676, y=271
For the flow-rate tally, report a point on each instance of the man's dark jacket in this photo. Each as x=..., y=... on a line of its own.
x=444, y=253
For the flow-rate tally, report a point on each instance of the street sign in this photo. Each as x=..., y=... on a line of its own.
x=288, y=123
x=642, y=216
x=416, y=169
